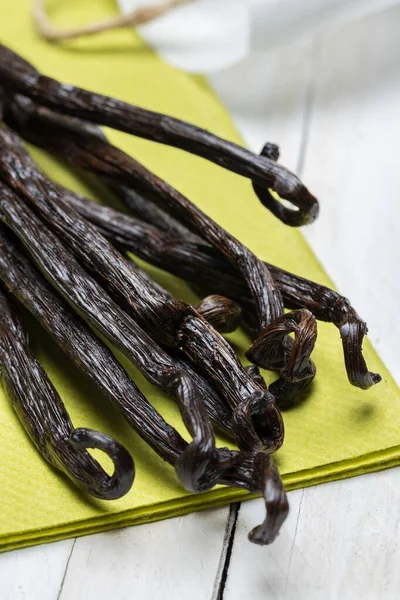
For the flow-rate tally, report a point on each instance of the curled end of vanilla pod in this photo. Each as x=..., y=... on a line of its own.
x=277, y=506
x=292, y=358
x=289, y=187
x=327, y=305
x=273, y=349
x=104, y=486
x=352, y=331
x=258, y=424
x=257, y=473
x=198, y=468
x=223, y=314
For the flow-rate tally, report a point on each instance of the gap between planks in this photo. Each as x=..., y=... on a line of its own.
x=66, y=570
x=226, y=553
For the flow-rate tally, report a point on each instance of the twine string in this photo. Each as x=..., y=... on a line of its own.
x=138, y=16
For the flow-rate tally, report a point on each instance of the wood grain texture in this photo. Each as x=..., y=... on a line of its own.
x=261, y=572
x=343, y=540
x=177, y=558
x=340, y=541
x=351, y=163
x=34, y=572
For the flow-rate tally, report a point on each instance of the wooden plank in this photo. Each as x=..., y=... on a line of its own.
x=347, y=543
x=225, y=558
x=352, y=165
x=177, y=558
x=34, y=573
x=341, y=540
x=260, y=572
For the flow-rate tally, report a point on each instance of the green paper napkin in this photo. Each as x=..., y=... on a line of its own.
x=340, y=431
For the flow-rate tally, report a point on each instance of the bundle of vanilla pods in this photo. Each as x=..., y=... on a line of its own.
x=63, y=257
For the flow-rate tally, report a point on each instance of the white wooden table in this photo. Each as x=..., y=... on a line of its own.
x=333, y=105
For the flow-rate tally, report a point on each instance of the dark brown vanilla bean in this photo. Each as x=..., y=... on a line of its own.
x=202, y=264
x=284, y=214
x=264, y=291
x=84, y=348
x=256, y=474
x=45, y=419
x=302, y=324
x=165, y=319
x=20, y=76
x=222, y=313
x=22, y=175
x=218, y=410
x=146, y=209
x=204, y=267
x=196, y=466
x=200, y=466
x=95, y=155
x=256, y=420
x=89, y=151
x=252, y=471
x=143, y=208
